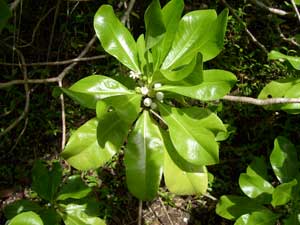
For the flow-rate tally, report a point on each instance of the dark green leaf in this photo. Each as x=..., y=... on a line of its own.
x=89, y=90
x=194, y=143
x=181, y=182
x=154, y=24
x=20, y=206
x=262, y=217
x=26, y=218
x=144, y=158
x=74, y=188
x=44, y=182
x=5, y=14
x=115, y=38
x=83, y=151
x=50, y=216
x=293, y=219
x=284, y=160
x=193, y=32
x=232, y=207
x=283, y=193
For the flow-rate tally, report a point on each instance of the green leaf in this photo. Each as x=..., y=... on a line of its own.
x=76, y=215
x=171, y=13
x=216, y=84
x=154, y=24
x=89, y=90
x=283, y=88
x=5, y=14
x=144, y=158
x=44, y=182
x=284, y=160
x=115, y=38
x=283, y=193
x=293, y=60
x=181, y=182
x=141, y=46
x=232, y=207
x=256, y=187
x=297, y=2
x=194, y=143
x=293, y=219
x=258, y=167
x=215, y=44
x=74, y=188
x=83, y=151
x=263, y=217
x=192, y=34
x=49, y=216
x=20, y=206
x=26, y=218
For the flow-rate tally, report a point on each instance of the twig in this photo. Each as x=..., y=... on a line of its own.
x=253, y=38
x=296, y=9
x=14, y=5
x=166, y=212
x=140, y=216
x=208, y=195
x=290, y=40
x=56, y=63
x=260, y=102
x=279, y=12
x=126, y=15
x=29, y=81
x=63, y=118
x=53, y=28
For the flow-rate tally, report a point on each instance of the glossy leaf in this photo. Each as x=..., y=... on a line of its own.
x=293, y=92
x=141, y=45
x=74, y=188
x=83, y=151
x=232, y=207
x=89, y=90
x=154, y=24
x=193, y=32
x=195, y=144
x=283, y=193
x=20, y=206
x=181, y=182
x=144, y=158
x=258, y=167
x=171, y=13
x=115, y=38
x=263, y=217
x=284, y=160
x=44, y=182
x=5, y=14
x=76, y=215
x=293, y=60
x=256, y=187
x=26, y=218
x=216, y=41
x=216, y=84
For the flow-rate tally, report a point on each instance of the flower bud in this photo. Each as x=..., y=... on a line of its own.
x=147, y=102
x=153, y=105
x=157, y=85
x=159, y=96
x=144, y=90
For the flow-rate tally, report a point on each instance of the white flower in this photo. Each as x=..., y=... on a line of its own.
x=134, y=75
x=159, y=96
x=147, y=102
x=144, y=90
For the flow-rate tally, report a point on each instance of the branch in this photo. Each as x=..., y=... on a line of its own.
x=260, y=102
x=14, y=5
x=296, y=9
x=253, y=38
x=279, y=12
x=56, y=63
x=290, y=40
x=126, y=15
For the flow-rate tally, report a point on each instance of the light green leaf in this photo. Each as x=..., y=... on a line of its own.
x=171, y=13
x=232, y=207
x=293, y=60
x=76, y=215
x=89, y=90
x=283, y=193
x=258, y=167
x=115, y=38
x=263, y=217
x=215, y=43
x=293, y=219
x=44, y=182
x=181, y=182
x=74, y=188
x=194, y=143
x=26, y=218
x=216, y=84
x=141, y=46
x=293, y=92
x=20, y=206
x=192, y=34
x=284, y=160
x=5, y=14
x=297, y=2
x=144, y=158
x=256, y=187
x=83, y=151
x=154, y=24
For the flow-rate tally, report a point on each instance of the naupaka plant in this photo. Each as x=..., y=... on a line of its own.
x=161, y=133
